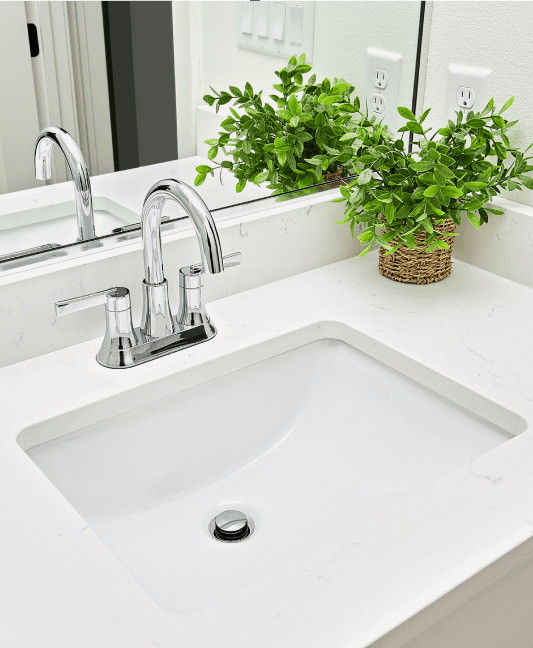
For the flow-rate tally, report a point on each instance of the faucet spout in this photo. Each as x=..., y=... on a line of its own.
x=200, y=216
x=156, y=319
x=78, y=169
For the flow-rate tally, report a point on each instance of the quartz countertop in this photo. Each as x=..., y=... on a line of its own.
x=467, y=337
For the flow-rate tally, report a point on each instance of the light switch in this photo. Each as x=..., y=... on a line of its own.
x=261, y=12
x=296, y=24
x=247, y=17
x=278, y=21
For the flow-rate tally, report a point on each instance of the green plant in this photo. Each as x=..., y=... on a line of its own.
x=397, y=195
x=291, y=143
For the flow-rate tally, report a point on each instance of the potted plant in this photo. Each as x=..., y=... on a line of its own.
x=293, y=141
x=409, y=204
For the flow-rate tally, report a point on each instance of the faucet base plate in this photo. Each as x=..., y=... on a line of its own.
x=148, y=350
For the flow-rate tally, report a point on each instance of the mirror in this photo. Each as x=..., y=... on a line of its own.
x=127, y=81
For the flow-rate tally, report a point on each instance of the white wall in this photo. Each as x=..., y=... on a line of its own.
x=343, y=31
x=497, y=35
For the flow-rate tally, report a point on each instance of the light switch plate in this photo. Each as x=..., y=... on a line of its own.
x=290, y=25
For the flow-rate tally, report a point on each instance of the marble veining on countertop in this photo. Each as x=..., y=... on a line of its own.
x=467, y=337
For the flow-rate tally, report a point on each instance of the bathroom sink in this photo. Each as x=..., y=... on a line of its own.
x=57, y=223
x=307, y=444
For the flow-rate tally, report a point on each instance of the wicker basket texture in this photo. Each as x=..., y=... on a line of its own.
x=419, y=266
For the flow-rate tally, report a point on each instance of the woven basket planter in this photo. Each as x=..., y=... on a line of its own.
x=419, y=266
x=329, y=177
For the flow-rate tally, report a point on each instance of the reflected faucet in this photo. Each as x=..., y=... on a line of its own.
x=78, y=169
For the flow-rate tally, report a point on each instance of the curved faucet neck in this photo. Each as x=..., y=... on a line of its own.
x=78, y=169
x=200, y=216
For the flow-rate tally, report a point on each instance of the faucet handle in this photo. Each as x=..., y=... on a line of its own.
x=120, y=339
x=115, y=299
x=229, y=261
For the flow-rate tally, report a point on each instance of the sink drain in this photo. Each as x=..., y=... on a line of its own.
x=231, y=526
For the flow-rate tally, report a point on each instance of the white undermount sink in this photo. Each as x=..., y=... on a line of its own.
x=58, y=223
x=308, y=443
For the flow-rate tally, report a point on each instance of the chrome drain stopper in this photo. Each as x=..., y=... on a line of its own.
x=231, y=526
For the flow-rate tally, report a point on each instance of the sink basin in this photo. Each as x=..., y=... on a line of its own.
x=58, y=223
x=307, y=443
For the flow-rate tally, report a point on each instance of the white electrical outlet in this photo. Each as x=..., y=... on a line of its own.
x=468, y=89
x=381, y=78
x=382, y=86
x=465, y=97
x=377, y=104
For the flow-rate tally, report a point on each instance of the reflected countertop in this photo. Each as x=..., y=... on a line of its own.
x=128, y=188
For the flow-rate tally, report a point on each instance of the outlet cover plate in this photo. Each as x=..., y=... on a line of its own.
x=391, y=64
x=464, y=76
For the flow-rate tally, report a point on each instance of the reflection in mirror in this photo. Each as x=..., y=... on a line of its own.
x=127, y=80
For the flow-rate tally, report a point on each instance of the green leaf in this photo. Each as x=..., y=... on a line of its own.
x=203, y=168
x=389, y=212
x=406, y=113
x=347, y=108
x=452, y=192
x=506, y=105
x=473, y=218
x=209, y=99
x=338, y=89
x=447, y=173
x=261, y=177
x=282, y=157
x=294, y=105
x=526, y=181
x=422, y=165
x=365, y=251
x=500, y=151
x=366, y=236
x=331, y=99
x=294, y=121
x=475, y=186
x=240, y=185
x=212, y=153
x=415, y=127
x=364, y=177
x=229, y=121
x=211, y=142
x=432, y=191
x=476, y=123
x=442, y=244
x=424, y=115
x=199, y=179
x=446, y=160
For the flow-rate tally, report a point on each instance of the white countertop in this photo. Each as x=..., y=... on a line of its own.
x=467, y=337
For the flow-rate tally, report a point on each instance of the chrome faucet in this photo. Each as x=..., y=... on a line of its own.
x=78, y=169
x=160, y=333
x=156, y=320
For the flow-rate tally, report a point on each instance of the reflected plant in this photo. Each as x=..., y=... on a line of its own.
x=292, y=141
x=398, y=194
